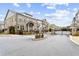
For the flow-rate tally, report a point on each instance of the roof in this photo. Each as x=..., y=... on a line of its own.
x=25, y=14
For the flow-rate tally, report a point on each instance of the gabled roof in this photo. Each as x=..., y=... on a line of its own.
x=77, y=13
x=22, y=15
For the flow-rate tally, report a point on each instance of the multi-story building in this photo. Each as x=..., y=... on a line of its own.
x=75, y=23
x=23, y=21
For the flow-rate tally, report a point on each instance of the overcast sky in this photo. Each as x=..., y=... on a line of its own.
x=60, y=14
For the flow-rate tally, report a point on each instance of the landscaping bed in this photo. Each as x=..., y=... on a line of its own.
x=75, y=33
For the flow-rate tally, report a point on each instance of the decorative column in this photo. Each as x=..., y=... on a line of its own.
x=74, y=30
x=28, y=27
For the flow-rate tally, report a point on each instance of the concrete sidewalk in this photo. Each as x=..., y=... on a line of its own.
x=75, y=39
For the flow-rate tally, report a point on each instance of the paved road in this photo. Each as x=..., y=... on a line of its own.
x=52, y=45
x=62, y=32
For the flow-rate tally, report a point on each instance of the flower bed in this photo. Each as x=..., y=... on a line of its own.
x=27, y=33
x=39, y=35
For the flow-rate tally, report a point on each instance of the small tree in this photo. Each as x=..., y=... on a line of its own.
x=11, y=30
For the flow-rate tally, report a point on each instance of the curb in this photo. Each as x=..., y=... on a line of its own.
x=73, y=40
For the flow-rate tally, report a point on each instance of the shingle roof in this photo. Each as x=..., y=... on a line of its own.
x=26, y=15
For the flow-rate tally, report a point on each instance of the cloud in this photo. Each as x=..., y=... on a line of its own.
x=28, y=5
x=2, y=19
x=58, y=15
x=66, y=4
x=1, y=15
x=49, y=5
x=37, y=12
x=75, y=9
x=19, y=10
x=53, y=5
x=32, y=12
x=16, y=4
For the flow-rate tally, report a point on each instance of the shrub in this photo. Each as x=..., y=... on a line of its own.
x=3, y=30
x=36, y=32
x=75, y=33
x=20, y=32
x=42, y=35
x=11, y=30
x=66, y=29
x=45, y=30
x=39, y=35
x=27, y=33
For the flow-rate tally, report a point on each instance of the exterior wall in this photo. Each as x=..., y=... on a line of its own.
x=20, y=21
x=43, y=25
x=39, y=25
x=23, y=21
x=10, y=20
x=1, y=26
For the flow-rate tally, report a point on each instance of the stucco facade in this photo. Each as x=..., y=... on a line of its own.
x=1, y=26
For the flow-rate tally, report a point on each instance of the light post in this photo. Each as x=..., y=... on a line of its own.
x=42, y=30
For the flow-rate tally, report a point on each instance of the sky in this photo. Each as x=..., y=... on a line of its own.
x=60, y=14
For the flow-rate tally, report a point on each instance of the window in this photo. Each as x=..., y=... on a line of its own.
x=25, y=20
x=77, y=29
x=22, y=20
x=17, y=26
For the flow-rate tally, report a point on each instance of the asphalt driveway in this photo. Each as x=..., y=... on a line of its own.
x=52, y=45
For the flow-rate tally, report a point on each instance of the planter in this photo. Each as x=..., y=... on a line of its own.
x=39, y=35
x=27, y=33
x=20, y=32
